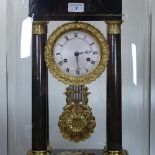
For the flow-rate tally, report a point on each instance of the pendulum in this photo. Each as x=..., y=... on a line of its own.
x=77, y=122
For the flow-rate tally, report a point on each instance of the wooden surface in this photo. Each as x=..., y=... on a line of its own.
x=114, y=94
x=40, y=125
x=58, y=10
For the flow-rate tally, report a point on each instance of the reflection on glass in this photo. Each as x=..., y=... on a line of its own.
x=134, y=62
x=26, y=38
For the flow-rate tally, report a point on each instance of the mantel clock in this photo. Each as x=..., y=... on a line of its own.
x=76, y=54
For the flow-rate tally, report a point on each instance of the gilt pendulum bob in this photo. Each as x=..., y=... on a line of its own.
x=76, y=54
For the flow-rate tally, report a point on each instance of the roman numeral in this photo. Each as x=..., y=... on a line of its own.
x=78, y=72
x=85, y=37
x=95, y=52
x=61, y=63
x=75, y=34
x=92, y=44
x=86, y=69
x=66, y=38
x=67, y=70
x=60, y=45
x=92, y=62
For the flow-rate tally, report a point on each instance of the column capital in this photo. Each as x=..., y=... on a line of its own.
x=39, y=27
x=114, y=27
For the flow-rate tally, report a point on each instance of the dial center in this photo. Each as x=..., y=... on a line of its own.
x=76, y=53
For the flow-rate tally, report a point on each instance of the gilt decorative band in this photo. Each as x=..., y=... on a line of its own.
x=39, y=153
x=110, y=152
x=122, y=152
x=47, y=152
x=114, y=27
x=39, y=27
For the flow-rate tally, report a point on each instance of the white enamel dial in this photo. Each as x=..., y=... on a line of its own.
x=77, y=53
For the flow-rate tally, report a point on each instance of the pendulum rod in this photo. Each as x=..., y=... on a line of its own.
x=114, y=92
x=77, y=93
x=40, y=118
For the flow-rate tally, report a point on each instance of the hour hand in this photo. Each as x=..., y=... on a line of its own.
x=77, y=59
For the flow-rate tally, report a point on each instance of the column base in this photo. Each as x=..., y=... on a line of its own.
x=119, y=152
x=38, y=152
x=48, y=152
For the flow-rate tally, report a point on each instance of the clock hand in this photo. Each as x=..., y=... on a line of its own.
x=85, y=52
x=77, y=59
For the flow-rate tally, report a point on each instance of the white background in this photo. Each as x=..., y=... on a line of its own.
x=135, y=30
x=3, y=97
x=152, y=135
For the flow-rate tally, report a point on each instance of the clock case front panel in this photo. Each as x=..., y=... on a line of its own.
x=58, y=10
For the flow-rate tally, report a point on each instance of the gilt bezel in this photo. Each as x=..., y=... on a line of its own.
x=70, y=79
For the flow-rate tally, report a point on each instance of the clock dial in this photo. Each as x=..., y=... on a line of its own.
x=77, y=53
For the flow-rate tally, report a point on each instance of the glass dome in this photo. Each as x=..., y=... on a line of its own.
x=135, y=59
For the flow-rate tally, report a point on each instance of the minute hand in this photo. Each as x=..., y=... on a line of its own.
x=85, y=52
